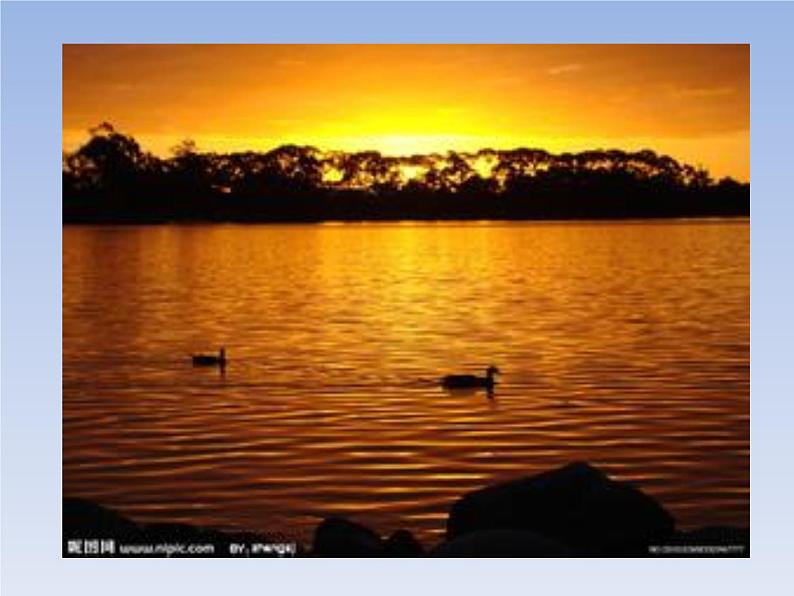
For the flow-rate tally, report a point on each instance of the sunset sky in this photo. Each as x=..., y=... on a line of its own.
x=690, y=101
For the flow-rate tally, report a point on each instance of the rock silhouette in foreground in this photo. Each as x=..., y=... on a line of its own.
x=340, y=537
x=501, y=543
x=576, y=505
x=575, y=510
x=85, y=521
x=402, y=544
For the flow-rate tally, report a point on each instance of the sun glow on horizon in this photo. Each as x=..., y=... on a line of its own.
x=688, y=101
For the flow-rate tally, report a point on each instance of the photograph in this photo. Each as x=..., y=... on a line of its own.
x=405, y=300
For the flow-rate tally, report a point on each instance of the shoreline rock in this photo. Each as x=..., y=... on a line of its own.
x=89, y=529
x=572, y=511
x=576, y=505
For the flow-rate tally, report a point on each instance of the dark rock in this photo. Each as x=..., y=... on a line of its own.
x=340, y=537
x=577, y=505
x=86, y=519
x=402, y=544
x=165, y=532
x=501, y=543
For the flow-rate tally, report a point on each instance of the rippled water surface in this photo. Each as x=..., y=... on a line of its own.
x=623, y=344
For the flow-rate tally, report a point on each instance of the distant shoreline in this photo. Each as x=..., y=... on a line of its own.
x=143, y=221
x=111, y=180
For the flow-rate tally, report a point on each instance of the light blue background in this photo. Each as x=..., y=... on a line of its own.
x=32, y=35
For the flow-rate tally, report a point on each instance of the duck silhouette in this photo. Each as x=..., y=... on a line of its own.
x=210, y=359
x=471, y=381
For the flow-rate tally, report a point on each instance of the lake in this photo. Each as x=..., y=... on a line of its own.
x=623, y=344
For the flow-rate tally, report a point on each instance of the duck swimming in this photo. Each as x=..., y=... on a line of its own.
x=464, y=381
x=210, y=359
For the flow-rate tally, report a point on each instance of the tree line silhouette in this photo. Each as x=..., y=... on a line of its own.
x=112, y=179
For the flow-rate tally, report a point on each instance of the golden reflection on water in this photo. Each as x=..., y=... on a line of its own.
x=623, y=344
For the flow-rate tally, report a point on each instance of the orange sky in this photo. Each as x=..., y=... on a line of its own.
x=690, y=101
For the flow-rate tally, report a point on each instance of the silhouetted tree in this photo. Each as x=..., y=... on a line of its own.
x=110, y=178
